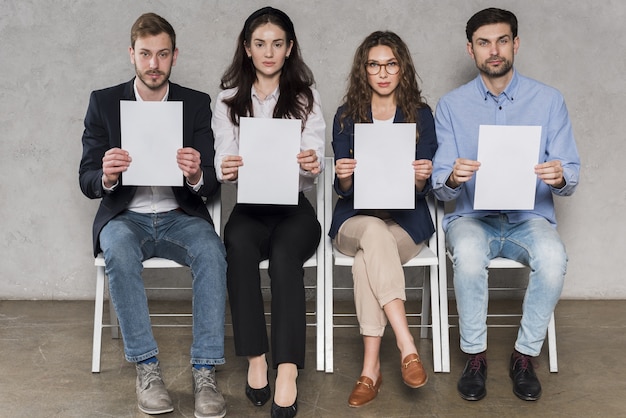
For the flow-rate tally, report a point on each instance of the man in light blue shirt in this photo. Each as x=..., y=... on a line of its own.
x=501, y=96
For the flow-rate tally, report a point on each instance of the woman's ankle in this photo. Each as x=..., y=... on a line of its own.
x=257, y=372
x=286, y=390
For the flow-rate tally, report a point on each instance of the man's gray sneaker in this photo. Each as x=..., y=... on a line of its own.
x=209, y=401
x=152, y=397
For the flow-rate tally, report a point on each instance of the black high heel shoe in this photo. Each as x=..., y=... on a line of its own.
x=284, y=411
x=258, y=397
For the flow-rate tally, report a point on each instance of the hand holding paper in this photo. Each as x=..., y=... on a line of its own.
x=423, y=170
x=230, y=167
x=308, y=161
x=114, y=162
x=551, y=173
x=188, y=160
x=462, y=172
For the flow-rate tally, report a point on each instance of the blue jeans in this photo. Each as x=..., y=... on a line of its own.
x=130, y=238
x=535, y=243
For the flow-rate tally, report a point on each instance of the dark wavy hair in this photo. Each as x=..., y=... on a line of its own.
x=358, y=99
x=296, y=78
x=490, y=16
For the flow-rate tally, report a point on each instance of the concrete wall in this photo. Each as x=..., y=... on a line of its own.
x=54, y=53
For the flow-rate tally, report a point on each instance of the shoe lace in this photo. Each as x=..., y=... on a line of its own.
x=523, y=362
x=204, y=378
x=476, y=362
x=149, y=373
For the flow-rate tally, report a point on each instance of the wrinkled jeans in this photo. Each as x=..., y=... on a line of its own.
x=132, y=237
x=535, y=243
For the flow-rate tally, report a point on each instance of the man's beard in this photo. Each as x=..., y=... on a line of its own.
x=496, y=72
x=145, y=78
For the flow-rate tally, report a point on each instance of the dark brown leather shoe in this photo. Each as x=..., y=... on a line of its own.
x=364, y=391
x=413, y=373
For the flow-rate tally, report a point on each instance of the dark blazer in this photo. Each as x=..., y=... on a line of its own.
x=416, y=222
x=102, y=132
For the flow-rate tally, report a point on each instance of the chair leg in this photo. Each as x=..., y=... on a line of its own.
x=445, y=324
x=436, y=318
x=425, y=308
x=554, y=367
x=319, y=309
x=328, y=309
x=97, y=321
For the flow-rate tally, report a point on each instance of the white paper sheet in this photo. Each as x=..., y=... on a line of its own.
x=270, y=171
x=384, y=177
x=506, y=179
x=152, y=133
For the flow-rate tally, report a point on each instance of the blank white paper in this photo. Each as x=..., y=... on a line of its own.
x=384, y=177
x=270, y=171
x=506, y=179
x=152, y=133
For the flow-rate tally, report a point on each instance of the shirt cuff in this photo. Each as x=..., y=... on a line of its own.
x=198, y=185
x=109, y=189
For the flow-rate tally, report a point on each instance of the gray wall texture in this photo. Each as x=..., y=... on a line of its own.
x=54, y=53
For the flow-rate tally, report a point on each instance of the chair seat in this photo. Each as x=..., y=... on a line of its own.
x=214, y=208
x=154, y=263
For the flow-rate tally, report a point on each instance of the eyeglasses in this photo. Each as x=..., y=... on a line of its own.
x=391, y=68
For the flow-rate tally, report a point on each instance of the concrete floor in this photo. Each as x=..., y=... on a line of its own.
x=45, y=367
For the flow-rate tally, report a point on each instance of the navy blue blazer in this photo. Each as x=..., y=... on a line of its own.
x=102, y=132
x=416, y=222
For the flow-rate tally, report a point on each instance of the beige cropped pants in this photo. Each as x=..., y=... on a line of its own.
x=379, y=247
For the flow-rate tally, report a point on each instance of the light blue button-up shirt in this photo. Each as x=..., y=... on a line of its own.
x=523, y=102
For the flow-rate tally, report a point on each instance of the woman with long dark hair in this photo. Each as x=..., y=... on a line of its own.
x=268, y=78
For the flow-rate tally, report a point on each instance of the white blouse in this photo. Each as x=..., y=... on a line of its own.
x=227, y=134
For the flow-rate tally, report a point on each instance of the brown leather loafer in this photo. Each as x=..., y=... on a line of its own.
x=413, y=373
x=364, y=391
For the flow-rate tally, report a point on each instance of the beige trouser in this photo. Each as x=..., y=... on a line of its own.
x=379, y=247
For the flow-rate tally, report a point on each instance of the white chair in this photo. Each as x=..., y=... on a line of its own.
x=430, y=256
x=215, y=210
x=496, y=263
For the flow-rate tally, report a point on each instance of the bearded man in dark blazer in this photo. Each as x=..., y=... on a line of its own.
x=134, y=223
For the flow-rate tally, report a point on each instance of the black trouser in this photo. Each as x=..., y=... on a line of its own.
x=287, y=236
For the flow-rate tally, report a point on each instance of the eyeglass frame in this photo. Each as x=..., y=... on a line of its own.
x=380, y=66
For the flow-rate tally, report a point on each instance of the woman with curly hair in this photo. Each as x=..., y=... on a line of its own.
x=382, y=88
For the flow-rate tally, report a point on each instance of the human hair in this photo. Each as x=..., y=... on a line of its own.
x=358, y=98
x=490, y=16
x=296, y=78
x=151, y=24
